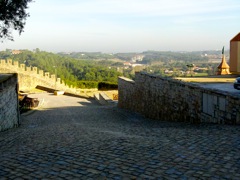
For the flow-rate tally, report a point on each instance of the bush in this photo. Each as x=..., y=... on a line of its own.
x=107, y=86
x=87, y=84
x=95, y=84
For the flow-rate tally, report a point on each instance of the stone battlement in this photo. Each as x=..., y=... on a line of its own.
x=9, y=66
x=31, y=77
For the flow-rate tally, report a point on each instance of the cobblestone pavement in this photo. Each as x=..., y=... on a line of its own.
x=74, y=138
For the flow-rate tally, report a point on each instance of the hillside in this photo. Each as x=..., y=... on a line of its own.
x=72, y=71
x=87, y=69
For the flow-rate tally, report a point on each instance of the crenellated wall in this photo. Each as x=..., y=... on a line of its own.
x=9, y=113
x=31, y=77
x=173, y=100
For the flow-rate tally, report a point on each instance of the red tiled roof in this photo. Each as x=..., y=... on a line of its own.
x=236, y=38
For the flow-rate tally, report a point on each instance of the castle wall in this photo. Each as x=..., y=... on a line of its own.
x=9, y=113
x=173, y=100
x=31, y=77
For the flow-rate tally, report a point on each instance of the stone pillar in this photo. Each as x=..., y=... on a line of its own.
x=29, y=69
x=59, y=80
x=16, y=64
x=22, y=67
x=53, y=77
x=9, y=61
x=41, y=73
x=46, y=74
x=34, y=69
x=3, y=62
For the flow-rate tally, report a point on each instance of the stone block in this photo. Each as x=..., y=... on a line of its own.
x=16, y=64
x=3, y=62
x=53, y=77
x=35, y=70
x=41, y=73
x=9, y=62
x=28, y=69
x=22, y=67
x=47, y=75
x=59, y=80
x=57, y=93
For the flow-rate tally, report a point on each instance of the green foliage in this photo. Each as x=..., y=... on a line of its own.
x=91, y=73
x=125, y=56
x=12, y=16
x=95, y=84
x=70, y=70
x=87, y=84
x=168, y=56
x=88, y=55
x=107, y=86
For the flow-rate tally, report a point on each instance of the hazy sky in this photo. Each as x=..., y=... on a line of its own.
x=128, y=25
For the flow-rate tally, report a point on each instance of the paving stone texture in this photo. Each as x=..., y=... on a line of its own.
x=74, y=138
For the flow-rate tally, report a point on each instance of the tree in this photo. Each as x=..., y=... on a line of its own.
x=12, y=16
x=190, y=67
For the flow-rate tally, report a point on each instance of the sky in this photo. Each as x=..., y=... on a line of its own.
x=112, y=26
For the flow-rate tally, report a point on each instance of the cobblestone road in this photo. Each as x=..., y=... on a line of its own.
x=74, y=138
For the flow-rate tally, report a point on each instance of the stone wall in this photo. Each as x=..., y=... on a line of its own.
x=173, y=100
x=31, y=77
x=9, y=113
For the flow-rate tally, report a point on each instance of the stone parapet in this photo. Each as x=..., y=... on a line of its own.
x=173, y=100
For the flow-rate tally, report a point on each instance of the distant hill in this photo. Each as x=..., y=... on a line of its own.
x=73, y=67
x=149, y=56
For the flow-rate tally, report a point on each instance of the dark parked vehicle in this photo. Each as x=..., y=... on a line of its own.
x=236, y=84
